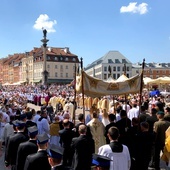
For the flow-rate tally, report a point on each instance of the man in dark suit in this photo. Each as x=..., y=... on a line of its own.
x=66, y=116
x=39, y=160
x=13, y=144
x=29, y=121
x=27, y=148
x=112, y=118
x=55, y=156
x=123, y=125
x=81, y=122
x=83, y=148
x=66, y=136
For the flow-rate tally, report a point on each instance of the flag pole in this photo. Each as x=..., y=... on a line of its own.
x=82, y=80
x=141, y=85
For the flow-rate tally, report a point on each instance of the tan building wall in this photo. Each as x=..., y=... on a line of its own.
x=27, y=69
x=60, y=70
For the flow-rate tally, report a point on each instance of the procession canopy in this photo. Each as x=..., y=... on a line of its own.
x=95, y=87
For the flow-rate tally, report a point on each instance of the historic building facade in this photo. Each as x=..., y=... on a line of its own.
x=112, y=63
x=28, y=67
x=152, y=70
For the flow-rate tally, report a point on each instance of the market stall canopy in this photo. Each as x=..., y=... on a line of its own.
x=147, y=80
x=160, y=80
x=6, y=84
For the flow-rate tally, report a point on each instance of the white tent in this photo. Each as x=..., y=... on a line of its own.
x=110, y=80
x=147, y=80
x=160, y=80
x=5, y=84
x=122, y=78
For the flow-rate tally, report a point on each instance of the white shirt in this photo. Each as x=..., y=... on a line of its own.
x=43, y=126
x=134, y=112
x=36, y=117
x=119, y=161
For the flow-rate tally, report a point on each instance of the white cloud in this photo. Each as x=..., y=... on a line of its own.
x=134, y=8
x=43, y=21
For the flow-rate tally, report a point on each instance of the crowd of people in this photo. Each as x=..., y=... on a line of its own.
x=116, y=133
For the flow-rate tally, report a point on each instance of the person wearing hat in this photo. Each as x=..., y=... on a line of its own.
x=13, y=144
x=55, y=156
x=116, y=151
x=27, y=148
x=101, y=162
x=159, y=128
x=39, y=160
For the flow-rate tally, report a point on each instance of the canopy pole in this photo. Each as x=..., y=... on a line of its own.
x=74, y=111
x=141, y=85
x=82, y=80
x=125, y=94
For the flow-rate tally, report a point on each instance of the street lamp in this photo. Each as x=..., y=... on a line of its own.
x=45, y=72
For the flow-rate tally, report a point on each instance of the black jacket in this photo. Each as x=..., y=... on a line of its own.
x=36, y=161
x=82, y=148
x=24, y=150
x=12, y=147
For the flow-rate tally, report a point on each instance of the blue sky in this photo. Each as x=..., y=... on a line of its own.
x=90, y=28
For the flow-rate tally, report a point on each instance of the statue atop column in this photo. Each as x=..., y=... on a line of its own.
x=45, y=33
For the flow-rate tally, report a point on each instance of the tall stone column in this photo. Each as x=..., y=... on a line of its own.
x=45, y=72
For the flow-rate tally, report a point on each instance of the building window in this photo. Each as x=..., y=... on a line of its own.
x=127, y=69
x=56, y=66
x=61, y=75
x=105, y=68
x=118, y=68
x=66, y=58
x=105, y=76
x=127, y=75
x=74, y=59
x=114, y=68
x=110, y=61
x=61, y=66
x=48, y=66
x=66, y=74
x=124, y=61
x=118, y=75
x=114, y=76
x=56, y=75
x=157, y=71
x=55, y=58
x=117, y=61
x=66, y=66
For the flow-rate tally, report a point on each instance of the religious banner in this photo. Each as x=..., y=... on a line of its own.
x=94, y=87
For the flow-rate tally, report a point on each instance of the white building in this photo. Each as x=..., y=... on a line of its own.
x=112, y=63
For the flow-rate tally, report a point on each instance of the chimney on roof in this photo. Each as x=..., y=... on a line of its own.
x=26, y=54
x=66, y=49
